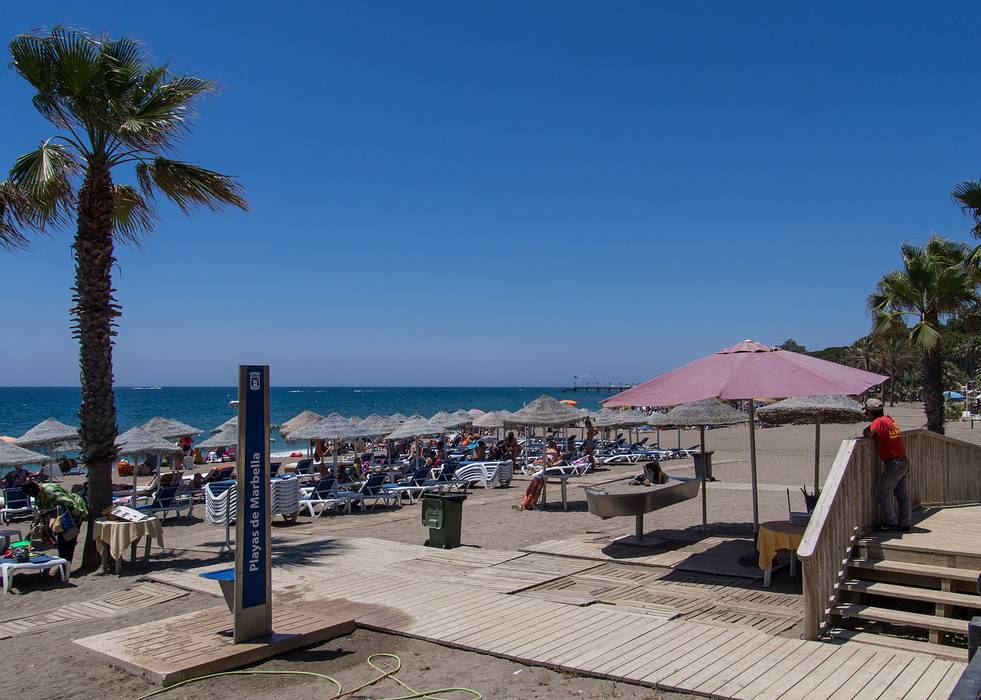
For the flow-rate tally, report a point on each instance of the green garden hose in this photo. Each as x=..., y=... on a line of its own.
x=383, y=674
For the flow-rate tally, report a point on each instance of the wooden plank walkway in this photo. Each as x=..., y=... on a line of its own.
x=711, y=555
x=142, y=595
x=654, y=648
x=198, y=643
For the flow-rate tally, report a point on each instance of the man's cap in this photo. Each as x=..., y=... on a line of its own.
x=873, y=405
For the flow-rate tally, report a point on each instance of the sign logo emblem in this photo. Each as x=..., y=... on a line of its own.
x=255, y=381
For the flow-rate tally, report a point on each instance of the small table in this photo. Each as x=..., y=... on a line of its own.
x=9, y=567
x=563, y=483
x=773, y=536
x=113, y=536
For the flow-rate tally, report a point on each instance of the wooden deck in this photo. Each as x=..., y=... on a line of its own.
x=951, y=530
x=492, y=602
x=177, y=648
x=138, y=597
x=728, y=556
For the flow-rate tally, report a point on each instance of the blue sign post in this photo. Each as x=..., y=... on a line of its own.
x=253, y=579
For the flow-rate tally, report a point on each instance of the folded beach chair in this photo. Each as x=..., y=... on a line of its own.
x=169, y=498
x=16, y=504
x=323, y=497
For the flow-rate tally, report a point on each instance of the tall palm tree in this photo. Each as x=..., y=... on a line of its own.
x=112, y=109
x=968, y=195
x=934, y=285
x=892, y=354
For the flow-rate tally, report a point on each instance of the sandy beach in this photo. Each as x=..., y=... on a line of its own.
x=490, y=522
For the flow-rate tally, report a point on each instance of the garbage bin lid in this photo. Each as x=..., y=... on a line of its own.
x=453, y=496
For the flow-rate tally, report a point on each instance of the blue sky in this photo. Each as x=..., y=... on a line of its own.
x=515, y=193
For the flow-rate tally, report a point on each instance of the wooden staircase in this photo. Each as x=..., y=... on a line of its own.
x=909, y=596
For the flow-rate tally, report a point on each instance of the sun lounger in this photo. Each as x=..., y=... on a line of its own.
x=488, y=475
x=9, y=567
x=373, y=491
x=413, y=487
x=322, y=497
x=16, y=504
x=169, y=498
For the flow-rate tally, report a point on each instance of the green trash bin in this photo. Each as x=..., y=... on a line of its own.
x=703, y=463
x=442, y=513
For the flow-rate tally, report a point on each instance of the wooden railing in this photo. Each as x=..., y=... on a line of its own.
x=943, y=471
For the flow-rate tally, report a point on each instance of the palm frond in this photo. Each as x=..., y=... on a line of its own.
x=17, y=216
x=925, y=335
x=968, y=195
x=133, y=214
x=188, y=185
x=44, y=176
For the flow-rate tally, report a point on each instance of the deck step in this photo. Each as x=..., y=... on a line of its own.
x=928, y=570
x=941, y=651
x=926, y=595
x=901, y=618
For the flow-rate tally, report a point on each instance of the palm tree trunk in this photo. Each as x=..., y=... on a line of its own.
x=933, y=389
x=94, y=314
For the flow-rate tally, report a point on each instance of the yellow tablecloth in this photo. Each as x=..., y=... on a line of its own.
x=119, y=535
x=776, y=535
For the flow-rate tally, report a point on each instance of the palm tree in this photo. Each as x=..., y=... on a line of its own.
x=892, y=354
x=934, y=285
x=112, y=109
x=968, y=195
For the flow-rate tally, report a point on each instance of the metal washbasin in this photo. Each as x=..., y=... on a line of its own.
x=623, y=498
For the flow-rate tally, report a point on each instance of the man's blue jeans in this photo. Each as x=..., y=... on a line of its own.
x=894, y=480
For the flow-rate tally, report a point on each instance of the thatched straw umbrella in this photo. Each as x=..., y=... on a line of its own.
x=476, y=412
x=140, y=442
x=48, y=436
x=13, y=456
x=399, y=417
x=50, y=433
x=493, y=420
x=169, y=429
x=804, y=410
x=703, y=413
x=231, y=423
x=226, y=438
x=544, y=412
x=415, y=427
x=300, y=419
x=334, y=427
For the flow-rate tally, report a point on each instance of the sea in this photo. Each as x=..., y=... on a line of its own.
x=208, y=407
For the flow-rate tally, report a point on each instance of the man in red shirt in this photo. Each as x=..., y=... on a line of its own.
x=894, y=480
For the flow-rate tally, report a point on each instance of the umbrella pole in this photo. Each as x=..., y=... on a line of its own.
x=679, y=438
x=752, y=467
x=817, y=456
x=701, y=437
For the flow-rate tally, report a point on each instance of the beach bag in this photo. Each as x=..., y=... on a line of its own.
x=64, y=525
x=533, y=492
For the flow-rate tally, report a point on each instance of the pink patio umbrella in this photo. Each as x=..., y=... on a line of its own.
x=745, y=372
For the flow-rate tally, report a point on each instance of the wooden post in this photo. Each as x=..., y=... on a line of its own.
x=817, y=456
x=752, y=467
x=701, y=438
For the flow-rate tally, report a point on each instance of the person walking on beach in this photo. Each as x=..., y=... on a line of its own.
x=590, y=437
x=53, y=504
x=894, y=480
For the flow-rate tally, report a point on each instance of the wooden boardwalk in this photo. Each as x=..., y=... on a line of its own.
x=728, y=556
x=137, y=597
x=197, y=643
x=456, y=598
